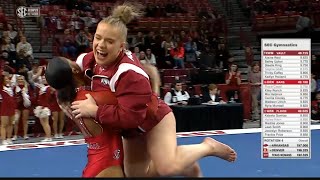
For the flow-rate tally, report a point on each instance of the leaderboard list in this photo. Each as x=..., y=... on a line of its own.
x=285, y=103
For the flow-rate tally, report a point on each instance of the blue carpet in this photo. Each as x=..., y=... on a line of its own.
x=69, y=161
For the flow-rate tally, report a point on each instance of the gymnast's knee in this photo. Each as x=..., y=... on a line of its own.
x=168, y=169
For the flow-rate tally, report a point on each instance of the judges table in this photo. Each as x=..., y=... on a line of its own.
x=208, y=117
x=245, y=96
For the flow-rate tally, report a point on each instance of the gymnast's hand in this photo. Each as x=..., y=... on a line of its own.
x=85, y=108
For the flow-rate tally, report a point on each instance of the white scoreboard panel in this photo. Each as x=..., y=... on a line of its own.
x=285, y=98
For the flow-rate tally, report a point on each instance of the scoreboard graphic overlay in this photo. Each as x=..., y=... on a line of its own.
x=285, y=98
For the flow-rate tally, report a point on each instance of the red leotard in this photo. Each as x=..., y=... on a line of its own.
x=105, y=149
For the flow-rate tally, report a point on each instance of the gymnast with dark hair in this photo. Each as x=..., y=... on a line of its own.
x=105, y=150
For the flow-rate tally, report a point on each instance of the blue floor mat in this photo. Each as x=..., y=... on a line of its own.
x=68, y=161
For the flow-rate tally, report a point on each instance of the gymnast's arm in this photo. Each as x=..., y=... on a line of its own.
x=133, y=93
x=154, y=76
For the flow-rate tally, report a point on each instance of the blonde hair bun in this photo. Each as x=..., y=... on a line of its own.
x=127, y=12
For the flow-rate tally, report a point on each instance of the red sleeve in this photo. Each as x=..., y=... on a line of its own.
x=172, y=53
x=181, y=53
x=133, y=92
x=227, y=76
x=86, y=61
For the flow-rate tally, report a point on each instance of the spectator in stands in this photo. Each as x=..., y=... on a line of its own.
x=74, y=24
x=4, y=34
x=60, y=21
x=20, y=35
x=12, y=34
x=88, y=20
x=304, y=25
x=138, y=40
x=4, y=58
x=34, y=75
x=203, y=43
x=73, y=31
x=68, y=44
x=315, y=108
x=142, y=57
x=203, y=24
x=24, y=48
x=165, y=57
x=136, y=52
x=23, y=70
x=82, y=42
x=191, y=50
x=96, y=15
x=183, y=37
x=50, y=21
x=159, y=37
x=255, y=81
x=207, y=59
x=174, y=36
x=190, y=46
x=9, y=47
x=212, y=95
x=231, y=59
x=314, y=59
x=88, y=34
x=222, y=56
x=249, y=55
x=178, y=52
x=25, y=52
x=177, y=95
x=233, y=79
x=150, y=57
x=150, y=41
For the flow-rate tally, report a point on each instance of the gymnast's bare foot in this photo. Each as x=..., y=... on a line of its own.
x=221, y=150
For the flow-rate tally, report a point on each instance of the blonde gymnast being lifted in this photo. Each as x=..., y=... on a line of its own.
x=150, y=144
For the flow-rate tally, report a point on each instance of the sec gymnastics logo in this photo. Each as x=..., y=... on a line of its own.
x=23, y=12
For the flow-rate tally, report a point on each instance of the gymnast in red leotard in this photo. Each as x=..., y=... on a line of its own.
x=105, y=150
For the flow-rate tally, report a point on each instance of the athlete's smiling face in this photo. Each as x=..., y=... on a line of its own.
x=107, y=43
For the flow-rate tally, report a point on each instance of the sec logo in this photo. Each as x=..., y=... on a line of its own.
x=22, y=12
